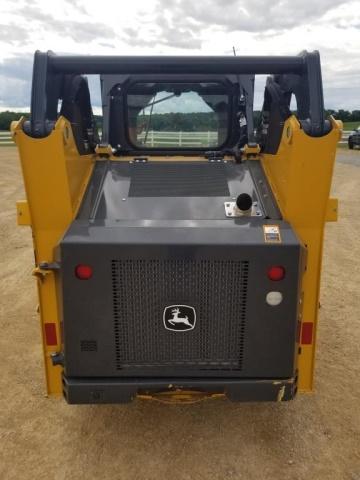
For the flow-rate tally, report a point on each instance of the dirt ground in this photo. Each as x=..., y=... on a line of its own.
x=316, y=436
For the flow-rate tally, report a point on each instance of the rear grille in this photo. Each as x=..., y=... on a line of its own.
x=217, y=289
x=178, y=180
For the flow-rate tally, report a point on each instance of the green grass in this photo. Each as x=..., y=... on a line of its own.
x=351, y=125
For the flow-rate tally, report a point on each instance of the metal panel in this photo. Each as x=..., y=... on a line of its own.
x=110, y=193
x=300, y=176
x=54, y=191
x=109, y=390
x=208, y=286
x=178, y=180
x=270, y=335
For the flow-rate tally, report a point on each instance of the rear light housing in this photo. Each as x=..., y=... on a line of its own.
x=276, y=273
x=83, y=272
x=50, y=334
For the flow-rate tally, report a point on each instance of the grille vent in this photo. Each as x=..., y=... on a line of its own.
x=88, y=345
x=217, y=289
x=178, y=180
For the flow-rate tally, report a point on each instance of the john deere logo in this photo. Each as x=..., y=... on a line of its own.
x=179, y=318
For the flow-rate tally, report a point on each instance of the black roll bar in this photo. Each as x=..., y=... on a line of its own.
x=50, y=71
x=80, y=64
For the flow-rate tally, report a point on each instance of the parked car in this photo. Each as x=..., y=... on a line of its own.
x=354, y=139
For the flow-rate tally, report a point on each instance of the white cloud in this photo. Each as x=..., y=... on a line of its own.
x=182, y=27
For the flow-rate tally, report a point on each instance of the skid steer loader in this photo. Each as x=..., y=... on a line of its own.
x=177, y=254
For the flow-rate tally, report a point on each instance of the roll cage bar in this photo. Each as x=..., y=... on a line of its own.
x=60, y=77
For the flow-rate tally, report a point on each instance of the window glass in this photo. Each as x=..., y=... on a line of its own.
x=178, y=115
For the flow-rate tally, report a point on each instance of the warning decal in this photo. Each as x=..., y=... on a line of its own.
x=272, y=233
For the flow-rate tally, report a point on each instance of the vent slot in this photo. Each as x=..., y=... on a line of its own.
x=177, y=180
x=217, y=289
x=88, y=345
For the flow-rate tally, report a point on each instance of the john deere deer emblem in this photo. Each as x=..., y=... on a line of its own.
x=179, y=318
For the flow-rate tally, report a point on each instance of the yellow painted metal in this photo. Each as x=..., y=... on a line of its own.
x=251, y=153
x=332, y=210
x=55, y=178
x=23, y=213
x=104, y=150
x=300, y=175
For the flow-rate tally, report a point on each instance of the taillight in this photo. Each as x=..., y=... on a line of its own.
x=50, y=334
x=307, y=333
x=276, y=273
x=83, y=272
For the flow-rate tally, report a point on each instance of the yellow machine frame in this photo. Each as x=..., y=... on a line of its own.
x=56, y=176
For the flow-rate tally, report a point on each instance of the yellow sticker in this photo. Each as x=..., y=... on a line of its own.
x=272, y=233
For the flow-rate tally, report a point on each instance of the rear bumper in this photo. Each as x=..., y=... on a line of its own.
x=121, y=390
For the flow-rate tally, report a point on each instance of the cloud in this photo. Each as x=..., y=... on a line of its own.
x=13, y=34
x=341, y=71
x=209, y=27
x=15, y=81
x=255, y=16
x=163, y=35
x=335, y=98
x=18, y=67
x=78, y=5
x=79, y=31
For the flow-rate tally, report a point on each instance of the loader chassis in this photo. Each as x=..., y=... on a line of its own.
x=177, y=272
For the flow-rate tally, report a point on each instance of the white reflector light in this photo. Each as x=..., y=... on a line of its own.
x=274, y=298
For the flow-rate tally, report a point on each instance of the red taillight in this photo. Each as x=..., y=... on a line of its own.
x=83, y=272
x=276, y=273
x=307, y=333
x=50, y=334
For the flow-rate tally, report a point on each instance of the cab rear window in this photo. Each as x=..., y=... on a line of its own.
x=178, y=115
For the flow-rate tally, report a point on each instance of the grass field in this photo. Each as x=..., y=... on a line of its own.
x=351, y=125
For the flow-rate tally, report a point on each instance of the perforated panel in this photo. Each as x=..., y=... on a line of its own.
x=216, y=289
x=178, y=180
x=88, y=345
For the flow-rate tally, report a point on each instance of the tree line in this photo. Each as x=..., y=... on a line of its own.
x=187, y=122
x=7, y=117
x=344, y=115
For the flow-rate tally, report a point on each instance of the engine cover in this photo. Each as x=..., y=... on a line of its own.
x=178, y=289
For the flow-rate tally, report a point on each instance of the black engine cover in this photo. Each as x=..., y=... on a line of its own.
x=178, y=289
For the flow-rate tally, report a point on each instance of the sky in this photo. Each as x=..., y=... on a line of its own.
x=181, y=27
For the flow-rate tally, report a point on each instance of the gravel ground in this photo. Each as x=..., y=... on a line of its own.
x=316, y=436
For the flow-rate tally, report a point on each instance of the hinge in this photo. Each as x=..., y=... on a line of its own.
x=251, y=152
x=49, y=266
x=139, y=160
x=57, y=358
x=103, y=150
x=45, y=268
x=214, y=156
